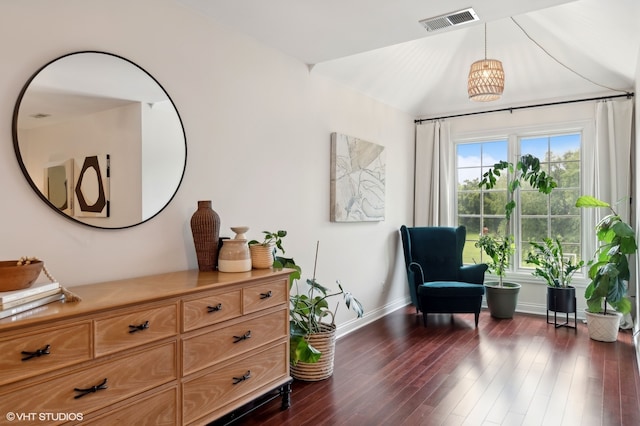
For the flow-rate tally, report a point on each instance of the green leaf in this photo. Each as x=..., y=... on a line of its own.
x=316, y=285
x=301, y=350
x=589, y=201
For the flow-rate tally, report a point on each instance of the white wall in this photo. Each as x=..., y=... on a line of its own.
x=116, y=132
x=258, y=127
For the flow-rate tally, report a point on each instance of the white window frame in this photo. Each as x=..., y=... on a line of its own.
x=512, y=136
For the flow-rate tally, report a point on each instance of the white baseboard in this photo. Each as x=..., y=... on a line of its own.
x=369, y=317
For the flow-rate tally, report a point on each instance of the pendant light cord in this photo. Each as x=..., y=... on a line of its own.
x=554, y=58
x=485, y=41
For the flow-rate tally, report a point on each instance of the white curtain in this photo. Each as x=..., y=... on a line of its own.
x=612, y=155
x=611, y=180
x=434, y=176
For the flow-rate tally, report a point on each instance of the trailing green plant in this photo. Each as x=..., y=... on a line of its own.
x=551, y=263
x=500, y=248
x=271, y=238
x=308, y=308
x=609, y=272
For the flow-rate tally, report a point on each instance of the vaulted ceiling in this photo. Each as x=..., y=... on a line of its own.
x=551, y=50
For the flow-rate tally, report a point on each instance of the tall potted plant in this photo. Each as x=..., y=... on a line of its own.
x=609, y=272
x=311, y=322
x=557, y=270
x=502, y=297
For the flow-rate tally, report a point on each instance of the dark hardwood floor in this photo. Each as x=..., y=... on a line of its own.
x=507, y=372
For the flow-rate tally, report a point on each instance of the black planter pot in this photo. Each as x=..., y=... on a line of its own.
x=563, y=300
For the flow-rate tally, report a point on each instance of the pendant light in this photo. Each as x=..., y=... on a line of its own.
x=486, y=77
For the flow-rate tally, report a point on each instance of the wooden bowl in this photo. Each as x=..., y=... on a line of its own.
x=14, y=277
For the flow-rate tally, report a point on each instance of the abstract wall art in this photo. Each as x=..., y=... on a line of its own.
x=58, y=185
x=92, y=187
x=357, y=180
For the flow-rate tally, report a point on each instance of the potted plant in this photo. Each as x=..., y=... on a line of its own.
x=312, y=326
x=502, y=297
x=312, y=338
x=557, y=270
x=609, y=273
x=263, y=253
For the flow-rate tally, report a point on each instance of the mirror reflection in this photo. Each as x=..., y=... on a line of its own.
x=99, y=140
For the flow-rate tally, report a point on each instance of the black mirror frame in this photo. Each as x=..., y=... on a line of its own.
x=16, y=147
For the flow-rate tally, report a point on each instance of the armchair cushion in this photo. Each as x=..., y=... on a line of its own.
x=451, y=289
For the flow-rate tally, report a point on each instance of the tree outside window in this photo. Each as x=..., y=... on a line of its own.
x=538, y=215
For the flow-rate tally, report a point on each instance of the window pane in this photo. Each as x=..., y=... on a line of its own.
x=469, y=203
x=566, y=228
x=494, y=225
x=469, y=155
x=563, y=201
x=562, y=145
x=534, y=229
x=493, y=203
x=533, y=203
x=473, y=227
x=469, y=178
x=535, y=146
x=573, y=251
x=537, y=215
x=501, y=181
x=471, y=254
x=493, y=152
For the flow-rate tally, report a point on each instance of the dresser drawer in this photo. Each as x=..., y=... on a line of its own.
x=45, y=350
x=125, y=377
x=156, y=410
x=211, y=309
x=215, y=346
x=241, y=379
x=265, y=295
x=135, y=328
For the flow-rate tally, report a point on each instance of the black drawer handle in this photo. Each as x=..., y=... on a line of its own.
x=36, y=354
x=92, y=389
x=266, y=295
x=216, y=308
x=244, y=377
x=143, y=326
x=245, y=336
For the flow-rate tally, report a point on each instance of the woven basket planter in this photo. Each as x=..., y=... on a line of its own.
x=325, y=342
x=262, y=255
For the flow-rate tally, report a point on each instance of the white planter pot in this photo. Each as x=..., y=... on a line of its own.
x=603, y=328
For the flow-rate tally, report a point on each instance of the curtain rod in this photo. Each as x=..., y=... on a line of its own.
x=628, y=95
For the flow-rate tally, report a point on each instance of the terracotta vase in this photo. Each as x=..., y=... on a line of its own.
x=205, y=227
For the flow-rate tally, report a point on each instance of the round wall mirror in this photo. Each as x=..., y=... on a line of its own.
x=99, y=140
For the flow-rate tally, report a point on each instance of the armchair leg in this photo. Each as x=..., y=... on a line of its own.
x=477, y=318
x=424, y=318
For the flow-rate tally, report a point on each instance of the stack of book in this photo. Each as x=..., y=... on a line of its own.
x=18, y=301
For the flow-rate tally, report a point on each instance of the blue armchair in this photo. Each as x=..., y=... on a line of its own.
x=438, y=281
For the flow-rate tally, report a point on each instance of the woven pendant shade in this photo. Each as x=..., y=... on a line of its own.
x=486, y=80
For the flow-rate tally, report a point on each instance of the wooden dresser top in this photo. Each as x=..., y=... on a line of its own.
x=121, y=293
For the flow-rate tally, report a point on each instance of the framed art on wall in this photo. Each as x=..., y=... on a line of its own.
x=357, y=180
x=92, y=187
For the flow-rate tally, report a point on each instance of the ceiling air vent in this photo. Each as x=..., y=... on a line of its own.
x=449, y=20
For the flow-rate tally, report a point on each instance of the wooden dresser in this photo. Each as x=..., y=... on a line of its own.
x=178, y=348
